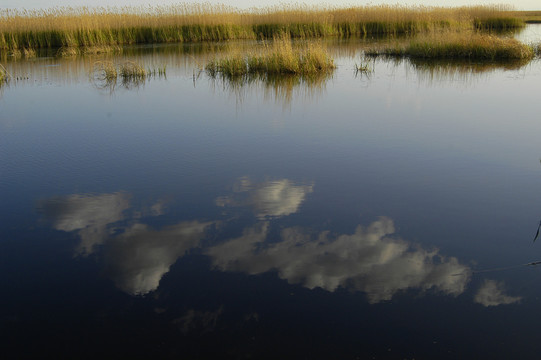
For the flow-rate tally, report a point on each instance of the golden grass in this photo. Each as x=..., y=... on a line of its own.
x=105, y=70
x=82, y=26
x=280, y=58
x=531, y=17
x=131, y=70
x=459, y=45
x=105, y=74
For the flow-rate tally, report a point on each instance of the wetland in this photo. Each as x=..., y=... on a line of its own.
x=383, y=208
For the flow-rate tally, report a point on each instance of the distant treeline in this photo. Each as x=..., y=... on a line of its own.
x=87, y=27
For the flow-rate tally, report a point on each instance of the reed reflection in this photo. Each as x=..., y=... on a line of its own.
x=464, y=72
x=283, y=89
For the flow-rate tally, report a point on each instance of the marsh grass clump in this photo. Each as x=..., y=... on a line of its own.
x=469, y=46
x=105, y=74
x=105, y=70
x=279, y=59
x=131, y=70
x=462, y=45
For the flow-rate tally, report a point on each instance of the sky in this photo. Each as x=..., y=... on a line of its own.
x=42, y=4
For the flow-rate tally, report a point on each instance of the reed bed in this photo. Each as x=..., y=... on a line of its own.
x=460, y=45
x=279, y=59
x=529, y=17
x=470, y=46
x=73, y=27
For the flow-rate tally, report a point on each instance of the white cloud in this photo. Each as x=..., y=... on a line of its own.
x=272, y=198
x=367, y=260
x=492, y=293
x=89, y=214
x=137, y=259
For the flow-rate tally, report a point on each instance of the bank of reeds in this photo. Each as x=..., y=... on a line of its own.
x=529, y=17
x=89, y=27
x=498, y=23
x=280, y=58
x=461, y=45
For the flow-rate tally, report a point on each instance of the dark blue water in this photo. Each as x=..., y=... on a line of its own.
x=386, y=215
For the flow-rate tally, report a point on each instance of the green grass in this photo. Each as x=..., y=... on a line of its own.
x=279, y=59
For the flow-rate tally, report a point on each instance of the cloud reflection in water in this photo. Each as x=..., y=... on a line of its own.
x=368, y=260
x=137, y=259
x=273, y=198
x=90, y=215
x=492, y=294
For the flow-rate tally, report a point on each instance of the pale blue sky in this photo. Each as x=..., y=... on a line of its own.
x=33, y=4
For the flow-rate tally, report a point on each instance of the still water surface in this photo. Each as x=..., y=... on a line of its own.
x=384, y=215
